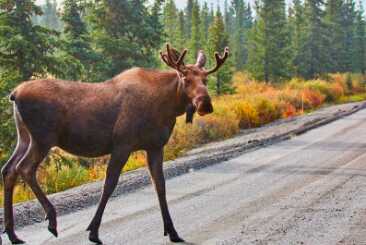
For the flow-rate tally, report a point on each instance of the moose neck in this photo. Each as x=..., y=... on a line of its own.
x=178, y=100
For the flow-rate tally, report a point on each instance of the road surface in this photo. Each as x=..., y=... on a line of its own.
x=308, y=190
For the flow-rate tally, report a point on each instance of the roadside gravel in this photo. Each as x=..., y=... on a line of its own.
x=87, y=195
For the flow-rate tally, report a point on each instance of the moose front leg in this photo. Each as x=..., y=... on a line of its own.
x=155, y=163
x=115, y=165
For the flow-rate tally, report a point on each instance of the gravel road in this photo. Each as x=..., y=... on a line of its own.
x=309, y=190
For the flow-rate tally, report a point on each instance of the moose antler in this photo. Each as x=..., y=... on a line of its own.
x=173, y=58
x=220, y=60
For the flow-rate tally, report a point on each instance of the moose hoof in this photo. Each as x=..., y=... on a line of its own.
x=94, y=238
x=175, y=238
x=13, y=238
x=53, y=230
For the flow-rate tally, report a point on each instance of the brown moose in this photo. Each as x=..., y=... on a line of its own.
x=135, y=110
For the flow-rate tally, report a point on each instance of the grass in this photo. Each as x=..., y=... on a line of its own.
x=254, y=104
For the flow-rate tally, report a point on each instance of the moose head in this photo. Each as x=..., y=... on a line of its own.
x=194, y=78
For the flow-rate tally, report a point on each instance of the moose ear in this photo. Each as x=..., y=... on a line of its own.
x=201, y=59
x=190, y=111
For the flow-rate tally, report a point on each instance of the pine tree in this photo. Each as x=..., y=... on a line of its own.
x=25, y=48
x=218, y=40
x=313, y=56
x=204, y=25
x=26, y=51
x=360, y=41
x=77, y=54
x=229, y=17
x=239, y=49
x=348, y=25
x=269, y=56
x=195, y=43
x=181, y=41
x=171, y=22
x=297, y=33
x=119, y=29
x=189, y=16
x=334, y=17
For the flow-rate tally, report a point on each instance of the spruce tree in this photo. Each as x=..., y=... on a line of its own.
x=195, y=43
x=334, y=18
x=269, y=56
x=78, y=54
x=313, y=56
x=348, y=25
x=239, y=49
x=171, y=22
x=181, y=40
x=297, y=33
x=360, y=41
x=25, y=48
x=204, y=25
x=189, y=16
x=218, y=40
x=229, y=17
x=119, y=28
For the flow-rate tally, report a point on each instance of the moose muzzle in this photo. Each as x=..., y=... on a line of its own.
x=203, y=105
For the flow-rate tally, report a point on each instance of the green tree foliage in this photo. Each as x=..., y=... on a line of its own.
x=171, y=23
x=240, y=28
x=78, y=55
x=313, y=57
x=124, y=34
x=25, y=48
x=360, y=41
x=348, y=25
x=188, y=20
x=218, y=40
x=181, y=40
x=269, y=54
x=336, y=34
x=195, y=43
x=297, y=34
x=8, y=80
x=26, y=51
x=204, y=25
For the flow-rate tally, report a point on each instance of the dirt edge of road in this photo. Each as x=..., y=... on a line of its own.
x=87, y=195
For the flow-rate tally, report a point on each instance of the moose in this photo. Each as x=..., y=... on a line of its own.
x=136, y=110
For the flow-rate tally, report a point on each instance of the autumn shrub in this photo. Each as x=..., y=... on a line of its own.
x=245, y=113
x=268, y=110
x=292, y=97
x=287, y=109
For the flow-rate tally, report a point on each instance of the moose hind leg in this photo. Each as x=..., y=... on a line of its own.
x=27, y=168
x=155, y=163
x=115, y=166
x=10, y=177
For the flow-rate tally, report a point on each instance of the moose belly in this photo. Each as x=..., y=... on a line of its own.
x=88, y=139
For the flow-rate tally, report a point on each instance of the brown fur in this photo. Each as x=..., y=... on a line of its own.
x=136, y=110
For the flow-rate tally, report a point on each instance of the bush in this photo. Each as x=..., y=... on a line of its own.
x=246, y=114
x=268, y=110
